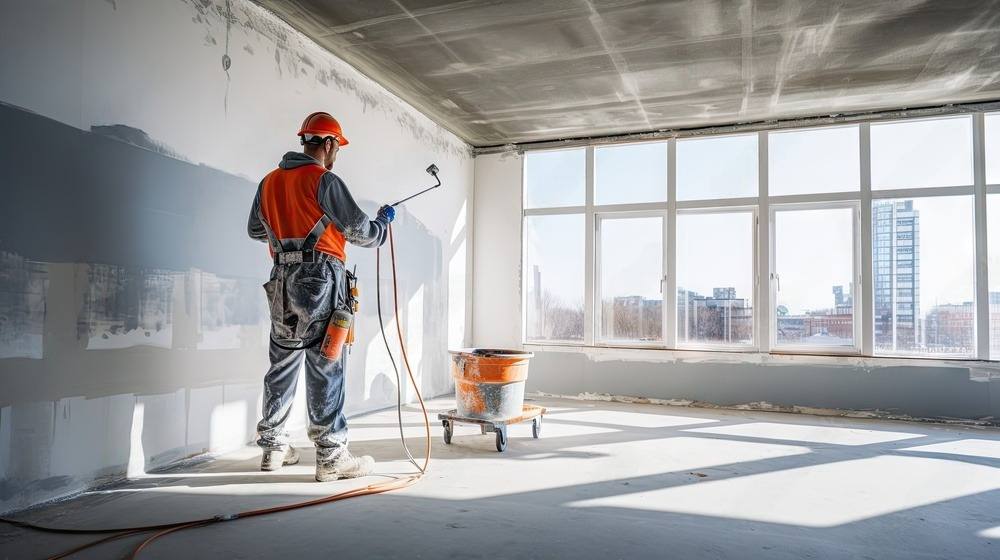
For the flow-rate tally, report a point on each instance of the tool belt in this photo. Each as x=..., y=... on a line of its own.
x=294, y=257
x=305, y=252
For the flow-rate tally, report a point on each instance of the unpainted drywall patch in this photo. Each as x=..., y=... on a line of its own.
x=23, y=286
x=124, y=306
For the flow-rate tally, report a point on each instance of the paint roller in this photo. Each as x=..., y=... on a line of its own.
x=433, y=171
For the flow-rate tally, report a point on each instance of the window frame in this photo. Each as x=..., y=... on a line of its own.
x=774, y=282
x=754, y=345
x=599, y=218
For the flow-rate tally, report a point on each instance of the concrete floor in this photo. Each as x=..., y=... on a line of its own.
x=605, y=480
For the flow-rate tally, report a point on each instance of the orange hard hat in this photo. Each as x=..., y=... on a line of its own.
x=322, y=125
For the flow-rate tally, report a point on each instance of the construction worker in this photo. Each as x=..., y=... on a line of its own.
x=307, y=216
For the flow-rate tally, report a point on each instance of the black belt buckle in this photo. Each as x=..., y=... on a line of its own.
x=294, y=257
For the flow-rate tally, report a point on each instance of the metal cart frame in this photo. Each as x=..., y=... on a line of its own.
x=528, y=412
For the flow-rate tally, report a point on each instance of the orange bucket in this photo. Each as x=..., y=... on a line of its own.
x=489, y=383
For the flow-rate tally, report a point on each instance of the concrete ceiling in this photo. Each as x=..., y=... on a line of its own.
x=521, y=71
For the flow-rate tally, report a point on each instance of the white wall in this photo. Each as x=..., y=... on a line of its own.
x=134, y=329
x=896, y=388
x=497, y=251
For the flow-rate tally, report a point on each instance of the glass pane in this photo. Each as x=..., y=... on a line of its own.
x=720, y=167
x=814, y=266
x=631, y=269
x=814, y=161
x=554, y=179
x=715, y=278
x=924, y=153
x=993, y=242
x=993, y=149
x=633, y=173
x=553, y=277
x=923, y=257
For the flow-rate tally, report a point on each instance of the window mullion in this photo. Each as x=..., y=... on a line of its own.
x=865, y=292
x=982, y=311
x=764, y=263
x=670, y=246
x=590, y=256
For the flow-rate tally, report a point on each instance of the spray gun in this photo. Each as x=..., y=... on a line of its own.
x=433, y=171
x=340, y=330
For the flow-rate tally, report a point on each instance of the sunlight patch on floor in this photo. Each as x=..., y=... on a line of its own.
x=630, y=419
x=579, y=468
x=989, y=449
x=991, y=533
x=824, y=495
x=812, y=434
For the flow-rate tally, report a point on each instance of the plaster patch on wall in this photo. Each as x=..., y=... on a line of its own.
x=227, y=306
x=124, y=307
x=136, y=137
x=23, y=285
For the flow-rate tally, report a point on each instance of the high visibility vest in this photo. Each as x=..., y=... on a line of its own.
x=293, y=217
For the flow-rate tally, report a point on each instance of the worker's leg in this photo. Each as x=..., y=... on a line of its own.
x=279, y=390
x=325, y=398
x=327, y=424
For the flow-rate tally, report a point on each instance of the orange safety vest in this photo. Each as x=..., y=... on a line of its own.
x=289, y=206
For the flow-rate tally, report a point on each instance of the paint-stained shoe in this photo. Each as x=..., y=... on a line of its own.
x=276, y=457
x=344, y=466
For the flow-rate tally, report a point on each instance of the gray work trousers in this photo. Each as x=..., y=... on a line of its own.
x=301, y=297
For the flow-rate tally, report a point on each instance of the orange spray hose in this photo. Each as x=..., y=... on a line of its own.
x=375, y=488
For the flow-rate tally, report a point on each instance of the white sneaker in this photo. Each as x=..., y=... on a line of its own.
x=276, y=457
x=345, y=466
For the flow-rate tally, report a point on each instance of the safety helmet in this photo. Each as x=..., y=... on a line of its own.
x=318, y=126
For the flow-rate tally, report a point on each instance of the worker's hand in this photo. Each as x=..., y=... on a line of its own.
x=387, y=213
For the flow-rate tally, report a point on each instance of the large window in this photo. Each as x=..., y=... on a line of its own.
x=993, y=149
x=715, y=273
x=813, y=278
x=993, y=242
x=555, y=178
x=631, y=285
x=923, y=276
x=553, y=278
x=630, y=173
x=814, y=161
x=922, y=153
x=856, y=239
x=717, y=167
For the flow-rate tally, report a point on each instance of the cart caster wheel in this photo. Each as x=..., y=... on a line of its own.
x=501, y=440
x=447, y=431
x=536, y=427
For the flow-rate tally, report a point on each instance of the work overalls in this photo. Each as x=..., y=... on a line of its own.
x=305, y=287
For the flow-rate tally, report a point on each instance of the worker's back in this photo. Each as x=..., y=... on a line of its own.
x=288, y=202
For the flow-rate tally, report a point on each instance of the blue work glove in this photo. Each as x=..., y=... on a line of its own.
x=387, y=213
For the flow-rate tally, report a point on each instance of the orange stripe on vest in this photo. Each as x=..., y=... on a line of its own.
x=289, y=205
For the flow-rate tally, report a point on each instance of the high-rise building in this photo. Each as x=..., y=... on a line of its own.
x=896, y=275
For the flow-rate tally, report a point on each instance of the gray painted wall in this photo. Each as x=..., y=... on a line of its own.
x=926, y=389
x=133, y=325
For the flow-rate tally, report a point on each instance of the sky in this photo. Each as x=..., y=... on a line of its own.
x=716, y=250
